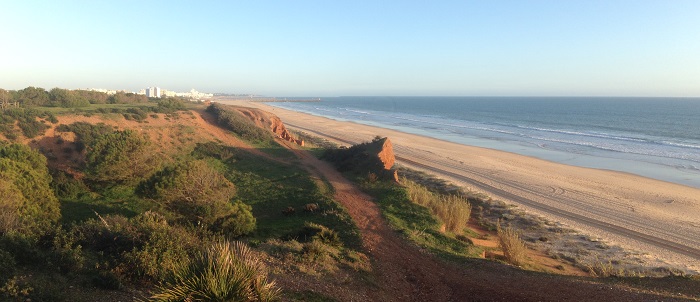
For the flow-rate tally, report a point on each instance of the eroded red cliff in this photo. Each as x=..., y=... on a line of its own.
x=270, y=121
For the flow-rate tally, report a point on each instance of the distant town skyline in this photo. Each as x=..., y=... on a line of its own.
x=310, y=48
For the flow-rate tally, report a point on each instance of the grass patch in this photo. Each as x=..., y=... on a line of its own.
x=416, y=222
x=453, y=210
x=114, y=200
x=271, y=187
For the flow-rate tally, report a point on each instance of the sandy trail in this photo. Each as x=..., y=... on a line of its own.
x=659, y=218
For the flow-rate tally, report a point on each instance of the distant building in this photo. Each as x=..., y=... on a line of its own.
x=153, y=92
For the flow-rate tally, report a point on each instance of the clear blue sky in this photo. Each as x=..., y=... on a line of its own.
x=330, y=48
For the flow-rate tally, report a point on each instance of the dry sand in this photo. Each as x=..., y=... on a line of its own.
x=660, y=219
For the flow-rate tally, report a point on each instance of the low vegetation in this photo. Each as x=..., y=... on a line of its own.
x=125, y=217
x=238, y=124
x=416, y=221
x=514, y=249
x=222, y=272
x=121, y=157
x=453, y=210
x=127, y=214
x=31, y=122
x=29, y=206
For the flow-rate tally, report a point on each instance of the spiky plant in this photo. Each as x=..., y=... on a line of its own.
x=222, y=272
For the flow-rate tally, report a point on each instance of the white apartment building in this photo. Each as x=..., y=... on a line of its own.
x=153, y=92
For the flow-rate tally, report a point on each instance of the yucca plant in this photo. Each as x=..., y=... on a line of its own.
x=222, y=272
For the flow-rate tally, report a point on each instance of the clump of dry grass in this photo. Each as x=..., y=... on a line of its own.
x=453, y=210
x=603, y=269
x=512, y=246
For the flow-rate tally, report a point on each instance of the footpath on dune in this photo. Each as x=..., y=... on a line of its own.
x=406, y=273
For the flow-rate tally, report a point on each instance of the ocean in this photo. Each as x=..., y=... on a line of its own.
x=652, y=137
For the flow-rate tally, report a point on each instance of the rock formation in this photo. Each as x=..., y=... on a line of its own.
x=386, y=153
x=270, y=121
x=376, y=157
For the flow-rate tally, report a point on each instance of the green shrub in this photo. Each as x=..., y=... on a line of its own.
x=316, y=232
x=86, y=133
x=32, y=128
x=65, y=252
x=124, y=157
x=27, y=121
x=212, y=149
x=65, y=185
x=236, y=220
x=222, y=272
x=24, y=248
x=8, y=265
x=28, y=204
x=144, y=247
x=135, y=114
x=169, y=105
x=200, y=194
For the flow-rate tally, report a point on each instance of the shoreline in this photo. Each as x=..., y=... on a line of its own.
x=637, y=213
x=603, y=159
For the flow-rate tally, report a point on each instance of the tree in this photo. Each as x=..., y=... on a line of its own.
x=121, y=157
x=28, y=204
x=33, y=96
x=67, y=99
x=58, y=97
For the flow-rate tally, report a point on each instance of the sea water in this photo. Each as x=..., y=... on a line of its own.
x=652, y=137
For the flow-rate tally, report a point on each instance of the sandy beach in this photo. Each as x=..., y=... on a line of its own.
x=659, y=219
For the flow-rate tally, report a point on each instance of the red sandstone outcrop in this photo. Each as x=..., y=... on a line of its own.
x=386, y=154
x=268, y=120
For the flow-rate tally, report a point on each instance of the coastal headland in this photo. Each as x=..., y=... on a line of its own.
x=657, y=219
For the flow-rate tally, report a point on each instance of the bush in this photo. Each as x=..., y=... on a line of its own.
x=222, y=272
x=316, y=232
x=136, y=114
x=212, y=149
x=144, y=247
x=169, y=105
x=27, y=121
x=28, y=204
x=65, y=185
x=236, y=221
x=87, y=133
x=124, y=157
x=514, y=249
x=200, y=194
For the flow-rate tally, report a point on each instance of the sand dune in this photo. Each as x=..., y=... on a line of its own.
x=656, y=217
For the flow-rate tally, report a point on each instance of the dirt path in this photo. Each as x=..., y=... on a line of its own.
x=405, y=273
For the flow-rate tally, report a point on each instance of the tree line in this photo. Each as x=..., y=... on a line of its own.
x=59, y=97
